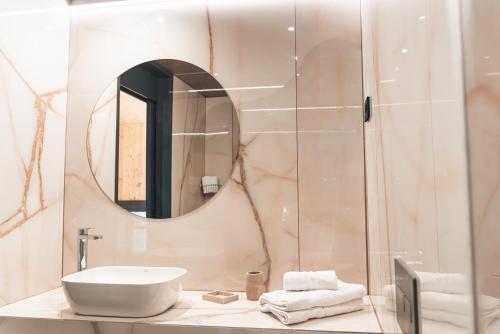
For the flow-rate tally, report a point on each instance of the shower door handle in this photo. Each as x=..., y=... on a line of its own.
x=368, y=109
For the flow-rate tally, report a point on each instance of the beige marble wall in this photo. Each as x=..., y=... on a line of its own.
x=481, y=30
x=253, y=222
x=33, y=72
x=188, y=150
x=330, y=138
x=415, y=144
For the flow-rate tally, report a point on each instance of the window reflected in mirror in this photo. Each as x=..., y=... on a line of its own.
x=131, y=164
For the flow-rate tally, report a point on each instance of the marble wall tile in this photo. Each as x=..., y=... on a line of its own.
x=330, y=138
x=33, y=74
x=481, y=31
x=252, y=222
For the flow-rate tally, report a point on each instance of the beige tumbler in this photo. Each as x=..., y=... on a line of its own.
x=255, y=285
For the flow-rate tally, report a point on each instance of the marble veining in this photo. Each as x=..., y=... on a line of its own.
x=32, y=124
x=210, y=41
x=243, y=183
x=42, y=104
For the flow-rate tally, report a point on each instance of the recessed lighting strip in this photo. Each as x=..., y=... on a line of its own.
x=226, y=89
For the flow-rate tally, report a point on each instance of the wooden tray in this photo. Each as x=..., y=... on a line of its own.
x=220, y=297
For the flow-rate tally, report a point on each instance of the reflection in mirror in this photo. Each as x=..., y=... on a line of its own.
x=162, y=139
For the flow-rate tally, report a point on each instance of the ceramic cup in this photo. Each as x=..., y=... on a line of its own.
x=255, y=285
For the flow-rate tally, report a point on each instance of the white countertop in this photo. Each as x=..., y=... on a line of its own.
x=191, y=310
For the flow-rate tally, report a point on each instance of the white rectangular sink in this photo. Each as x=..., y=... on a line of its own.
x=123, y=291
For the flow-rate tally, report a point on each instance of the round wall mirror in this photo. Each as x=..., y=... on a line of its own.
x=163, y=138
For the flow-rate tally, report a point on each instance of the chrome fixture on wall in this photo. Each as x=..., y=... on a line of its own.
x=82, y=247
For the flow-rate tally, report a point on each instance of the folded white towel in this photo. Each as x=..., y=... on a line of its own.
x=493, y=328
x=444, y=282
x=454, y=303
x=461, y=320
x=293, y=317
x=301, y=300
x=310, y=280
x=451, y=308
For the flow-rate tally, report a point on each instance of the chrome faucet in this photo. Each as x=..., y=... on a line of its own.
x=82, y=247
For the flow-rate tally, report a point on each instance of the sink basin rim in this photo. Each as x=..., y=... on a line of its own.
x=170, y=274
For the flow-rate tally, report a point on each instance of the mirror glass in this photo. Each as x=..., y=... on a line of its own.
x=163, y=138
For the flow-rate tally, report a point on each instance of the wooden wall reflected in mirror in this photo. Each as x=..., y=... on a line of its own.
x=132, y=148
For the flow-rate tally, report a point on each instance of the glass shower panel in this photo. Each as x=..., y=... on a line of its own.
x=417, y=198
x=330, y=138
x=481, y=31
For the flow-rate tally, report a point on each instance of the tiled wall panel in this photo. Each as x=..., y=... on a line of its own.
x=252, y=223
x=33, y=73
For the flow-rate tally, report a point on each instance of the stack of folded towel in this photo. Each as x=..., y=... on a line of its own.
x=309, y=295
x=445, y=297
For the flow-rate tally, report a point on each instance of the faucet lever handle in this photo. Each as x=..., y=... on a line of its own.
x=85, y=230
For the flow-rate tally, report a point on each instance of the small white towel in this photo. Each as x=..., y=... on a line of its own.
x=300, y=300
x=209, y=180
x=310, y=280
x=294, y=317
x=210, y=184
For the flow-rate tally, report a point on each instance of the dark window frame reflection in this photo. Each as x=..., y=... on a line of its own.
x=152, y=84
